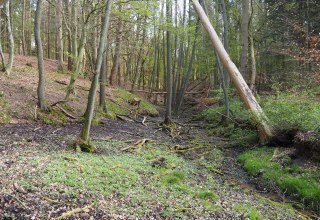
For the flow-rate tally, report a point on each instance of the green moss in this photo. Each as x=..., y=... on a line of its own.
x=53, y=117
x=300, y=182
x=5, y=113
x=145, y=107
x=248, y=211
x=173, y=178
x=255, y=215
x=207, y=195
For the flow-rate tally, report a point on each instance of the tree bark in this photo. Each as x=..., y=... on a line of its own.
x=37, y=34
x=85, y=131
x=244, y=37
x=116, y=57
x=23, y=31
x=59, y=36
x=103, y=81
x=11, y=39
x=244, y=91
x=167, y=119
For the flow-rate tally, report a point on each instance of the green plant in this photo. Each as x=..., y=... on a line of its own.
x=301, y=182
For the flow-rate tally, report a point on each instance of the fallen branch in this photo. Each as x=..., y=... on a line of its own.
x=162, y=93
x=188, y=149
x=137, y=145
x=58, y=102
x=124, y=118
x=66, y=84
x=74, y=211
x=210, y=168
x=15, y=198
x=50, y=200
x=65, y=112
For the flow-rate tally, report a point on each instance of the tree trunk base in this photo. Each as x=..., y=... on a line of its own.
x=80, y=145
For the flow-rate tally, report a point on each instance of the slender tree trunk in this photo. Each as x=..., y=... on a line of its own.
x=167, y=119
x=11, y=40
x=103, y=81
x=253, y=65
x=187, y=79
x=85, y=131
x=244, y=37
x=23, y=31
x=116, y=57
x=225, y=38
x=37, y=34
x=77, y=61
x=59, y=36
x=244, y=91
x=48, y=32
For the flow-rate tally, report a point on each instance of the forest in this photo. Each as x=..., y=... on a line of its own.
x=159, y=109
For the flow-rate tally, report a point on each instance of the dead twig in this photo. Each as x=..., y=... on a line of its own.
x=144, y=121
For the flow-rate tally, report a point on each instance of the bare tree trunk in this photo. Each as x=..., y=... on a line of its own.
x=244, y=91
x=116, y=57
x=225, y=37
x=167, y=119
x=244, y=37
x=103, y=81
x=253, y=66
x=37, y=34
x=85, y=131
x=23, y=31
x=59, y=35
x=187, y=79
x=11, y=40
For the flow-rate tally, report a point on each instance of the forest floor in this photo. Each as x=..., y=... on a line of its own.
x=138, y=172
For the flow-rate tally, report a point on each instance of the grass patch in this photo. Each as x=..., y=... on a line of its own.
x=302, y=183
x=132, y=177
x=248, y=211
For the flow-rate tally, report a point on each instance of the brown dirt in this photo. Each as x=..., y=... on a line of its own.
x=21, y=86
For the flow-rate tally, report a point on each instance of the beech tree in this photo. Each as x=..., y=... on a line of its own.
x=244, y=91
x=41, y=85
x=85, y=131
x=8, y=66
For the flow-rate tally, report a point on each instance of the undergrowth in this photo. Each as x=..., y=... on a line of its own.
x=292, y=179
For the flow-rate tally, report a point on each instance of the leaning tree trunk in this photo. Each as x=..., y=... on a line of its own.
x=85, y=131
x=37, y=35
x=244, y=91
x=11, y=40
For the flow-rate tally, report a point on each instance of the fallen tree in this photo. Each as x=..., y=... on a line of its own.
x=246, y=95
